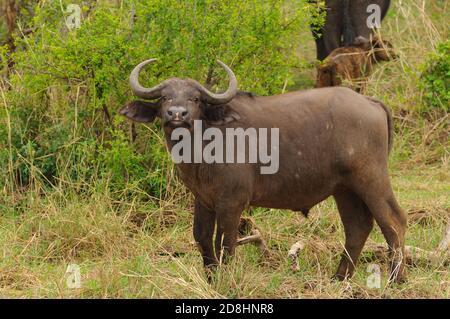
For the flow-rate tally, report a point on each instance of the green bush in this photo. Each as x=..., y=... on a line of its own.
x=435, y=79
x=69, y=84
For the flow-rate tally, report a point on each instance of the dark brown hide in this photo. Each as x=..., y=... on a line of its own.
x=332, y=142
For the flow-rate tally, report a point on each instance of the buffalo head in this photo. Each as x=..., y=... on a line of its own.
x=178, y=102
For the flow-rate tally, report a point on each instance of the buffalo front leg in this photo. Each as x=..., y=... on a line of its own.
x=228, y=219
x=204, y=222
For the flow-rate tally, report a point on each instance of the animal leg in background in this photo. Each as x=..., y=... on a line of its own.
x=228, y=219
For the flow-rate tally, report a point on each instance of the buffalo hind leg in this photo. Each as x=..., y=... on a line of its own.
x=374, y=188
x=392, y=221
x=358, y=223
x=204, y=222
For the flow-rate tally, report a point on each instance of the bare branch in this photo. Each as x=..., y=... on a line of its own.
x=293, y=254
x=444, y=245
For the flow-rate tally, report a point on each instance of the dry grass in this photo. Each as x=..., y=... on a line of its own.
x=139, y=249
x=157, y=257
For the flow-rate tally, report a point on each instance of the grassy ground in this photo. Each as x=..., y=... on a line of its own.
x=132, y=250
x=145, y=249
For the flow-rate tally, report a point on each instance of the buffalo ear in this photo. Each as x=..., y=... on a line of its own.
x=140, y=111
x=219, y=114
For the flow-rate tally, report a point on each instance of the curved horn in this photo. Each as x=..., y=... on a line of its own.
x=221, y=98
x=138, y=89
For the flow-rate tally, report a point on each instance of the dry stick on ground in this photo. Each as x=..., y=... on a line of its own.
x=435, y=126
x=418, y=216
x=255, y=238
x=413, y=255
x=444, y=245
x=293, y=254
x=247, y=226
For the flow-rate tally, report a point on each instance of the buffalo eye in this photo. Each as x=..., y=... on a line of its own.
x=195, y=99
x=163, y=98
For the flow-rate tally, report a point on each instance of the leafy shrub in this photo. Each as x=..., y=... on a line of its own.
x=68, y=84
x=3, y=59
x=435, y=80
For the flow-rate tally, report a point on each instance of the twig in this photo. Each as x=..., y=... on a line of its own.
x=405, y=119
x=247, y=226
x=293, y=254
x=418, y=216
x=444, y=245
x=413, y=255
x=255, y=237
x=435, y=126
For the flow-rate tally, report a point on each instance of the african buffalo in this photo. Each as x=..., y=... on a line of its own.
x=345, y=20
x=332, y=142
x=353, y=63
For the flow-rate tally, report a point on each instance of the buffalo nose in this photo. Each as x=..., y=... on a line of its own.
x=177, y=113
